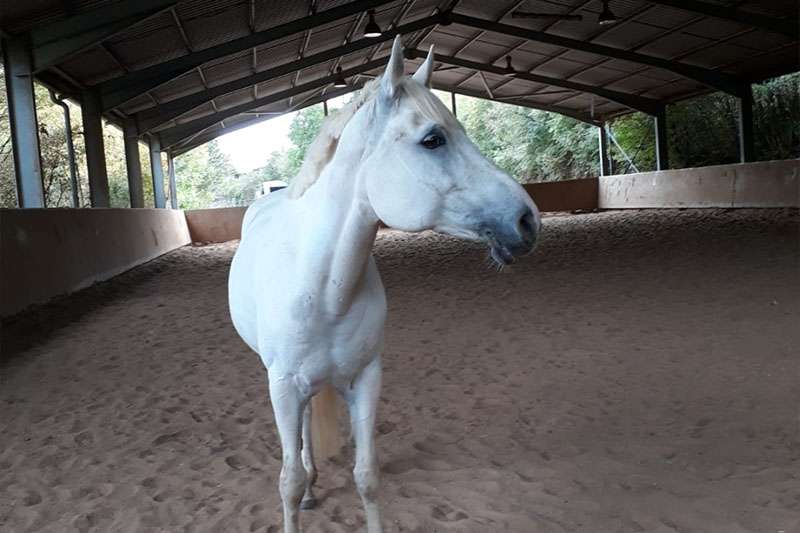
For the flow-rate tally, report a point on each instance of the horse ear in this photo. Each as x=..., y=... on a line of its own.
x=394, y=70
x=425, y=71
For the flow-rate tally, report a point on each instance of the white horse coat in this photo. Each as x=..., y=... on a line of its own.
x=304, y=290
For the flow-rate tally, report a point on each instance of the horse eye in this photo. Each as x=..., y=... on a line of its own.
x=432, y=141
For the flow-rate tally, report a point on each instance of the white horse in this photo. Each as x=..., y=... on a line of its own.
x=304, y=290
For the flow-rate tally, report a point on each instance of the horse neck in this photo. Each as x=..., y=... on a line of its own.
x=342, y=226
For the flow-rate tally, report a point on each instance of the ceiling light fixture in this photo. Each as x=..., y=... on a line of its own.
x=372, y=29
x=607, y=17
x=339, y=82
x=510, y=71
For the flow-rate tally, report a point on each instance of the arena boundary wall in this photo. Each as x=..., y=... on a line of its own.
x=49, y=252
x=762, y=184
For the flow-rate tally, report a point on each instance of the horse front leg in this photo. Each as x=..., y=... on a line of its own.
x=288, y=404
x=362, y=401
x=308, y=501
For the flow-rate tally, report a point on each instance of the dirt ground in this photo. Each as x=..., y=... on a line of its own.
x=639, y=373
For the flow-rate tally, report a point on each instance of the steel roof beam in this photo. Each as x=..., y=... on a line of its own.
x=451, y=5
x=577, y=115
x=717, y=80
x=184, y=145
x=182, y=131
x=645, y=105
x=639, y=103
x=117, y=91
x=787, y=26
x=153, y=117
x=58, y=41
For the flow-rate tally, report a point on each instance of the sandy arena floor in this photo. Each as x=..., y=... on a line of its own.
x=640, y=373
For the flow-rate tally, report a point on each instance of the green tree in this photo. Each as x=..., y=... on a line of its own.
x=205, y=177
x=194, y=179
x=777, y=118
x=530, y=145
x=116, y=168
x=8, y=191
x=704, y=130
x=302, y=132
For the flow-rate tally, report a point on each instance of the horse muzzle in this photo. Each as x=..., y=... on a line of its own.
x=513, y=237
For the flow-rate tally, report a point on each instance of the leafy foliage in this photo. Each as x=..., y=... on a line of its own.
x=54, y=159
x=207, y=178
x=554, y=147
x=530, y=145
x=704, y=130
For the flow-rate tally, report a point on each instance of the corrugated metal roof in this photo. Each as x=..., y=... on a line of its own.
x=651, y=28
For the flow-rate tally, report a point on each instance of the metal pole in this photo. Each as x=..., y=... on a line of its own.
x=132, y=162
x=22, y=119
x=95, y=149
x=746, y=137
x=73, y=172
x=662, y=146
x=173, y=186
x=631, y=164
x=602, y=137
x=453, y=104
x=325, y=107
x=158, y=172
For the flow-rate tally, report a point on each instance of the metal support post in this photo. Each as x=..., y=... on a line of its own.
x=22, y=118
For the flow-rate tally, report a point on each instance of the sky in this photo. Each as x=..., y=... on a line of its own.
x=250, y=147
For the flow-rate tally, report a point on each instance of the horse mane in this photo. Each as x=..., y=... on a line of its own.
x=323, y=148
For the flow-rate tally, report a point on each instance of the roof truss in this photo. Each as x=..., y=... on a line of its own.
x=193, y=141
x=717, y=80
x=179, y=136
x=117, y=91
x=787, y=27
x=638, y=103
x=58, y=41
x=176, y=133
x=153, y=117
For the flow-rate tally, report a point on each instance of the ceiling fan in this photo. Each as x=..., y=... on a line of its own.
x=544, y=16
x=606, y=16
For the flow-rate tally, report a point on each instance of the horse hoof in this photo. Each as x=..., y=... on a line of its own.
x=308, y=503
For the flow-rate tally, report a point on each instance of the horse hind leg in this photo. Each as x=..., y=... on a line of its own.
x=288, y=404
x=308, y=501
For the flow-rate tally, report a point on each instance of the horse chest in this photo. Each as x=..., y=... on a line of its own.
x=320, y=337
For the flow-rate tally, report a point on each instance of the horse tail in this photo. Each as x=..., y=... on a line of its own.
x=326, y=440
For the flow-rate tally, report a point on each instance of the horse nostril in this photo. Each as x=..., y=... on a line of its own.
x=526, y=225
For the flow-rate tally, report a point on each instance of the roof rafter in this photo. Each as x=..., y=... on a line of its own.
x=717, y=80
x=58, y=41
x=117, y=91
x=181, y=131
x=185, y=145
x=786, y=26
x=480, y=34
x=639, y=103
x=153, y=117
x=449, y=7
x=192, y=142
x=577, y=115
x=178, y=136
